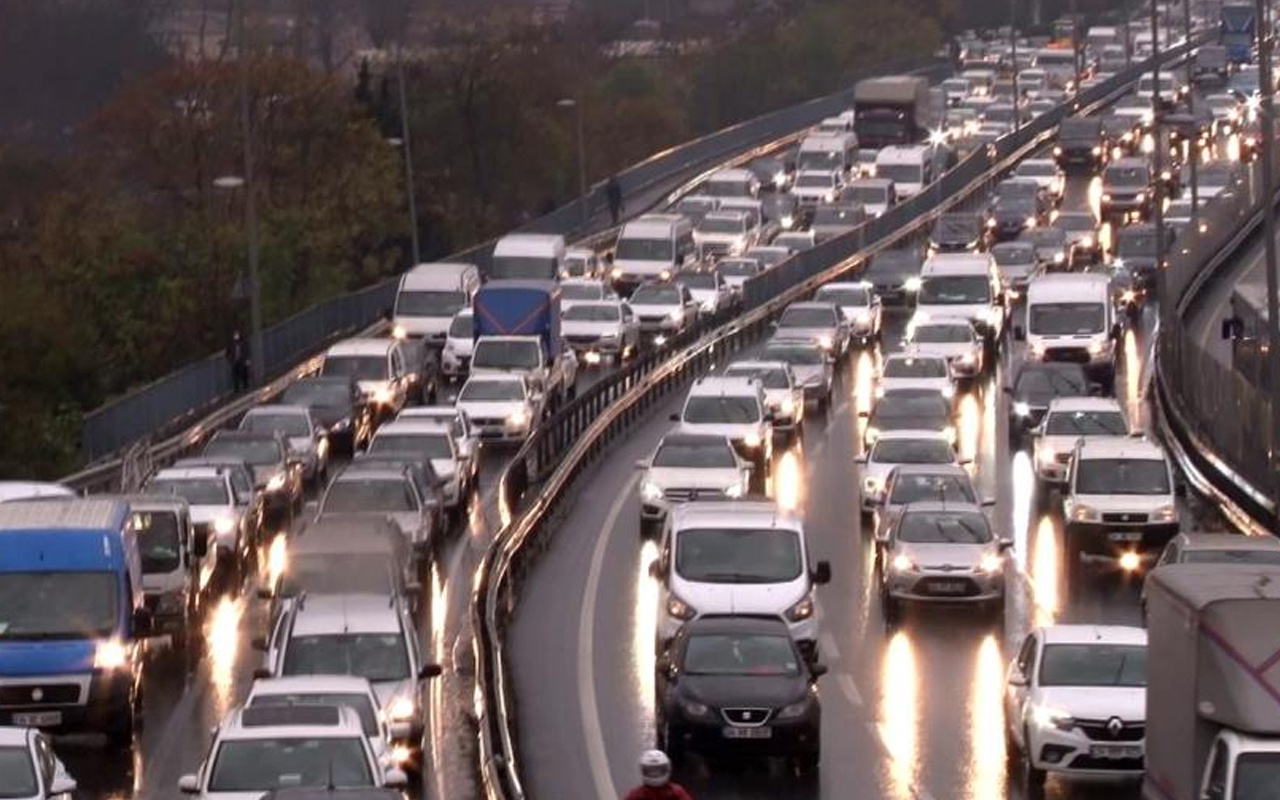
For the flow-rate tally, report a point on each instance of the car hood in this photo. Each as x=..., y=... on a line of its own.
x=50, y=657
x=969, y=311
x=1015, y=270
x=693, y=477
x=744, y=598
x=302, y=444
x=941, y=384
x=1123, y=503
x=730, y=430
x=806, y=333
x=263, y=473
x=588, y=328
x=945, y=349
x=644, y=310
x=957, y=556
x=490, y=408
x=425, y=326
x=743, y=691
x=1129, y=703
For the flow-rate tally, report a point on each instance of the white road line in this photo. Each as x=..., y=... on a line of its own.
x=850, y=689
x=596, y=755
x=827, y=644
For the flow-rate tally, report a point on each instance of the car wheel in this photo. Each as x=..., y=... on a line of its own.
x=807, y=764
x=891, y=609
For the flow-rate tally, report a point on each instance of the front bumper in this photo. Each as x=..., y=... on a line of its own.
x=709, y=735
x=103, y=700
x=1112, y=539
x=1074, y=753
x=936, y=586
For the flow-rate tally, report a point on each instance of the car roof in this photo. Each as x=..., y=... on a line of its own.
x=1127, y=447
x=1093, y=634
x=1226, y=541
x=10, y=736
x=361, y=347
x=189, y=474
x=1069, y=404
x=323, y=614
x=278, y=408
x=295, y=721
x=716, y=623
x=722, y=386
x=314, y=684
x=752, y=513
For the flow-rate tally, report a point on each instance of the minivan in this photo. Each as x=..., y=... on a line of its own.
x=652, y=247
x=428, y=298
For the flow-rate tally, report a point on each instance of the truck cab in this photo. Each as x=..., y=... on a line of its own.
x=172, y=556
x=517, y=328
x=74, y=612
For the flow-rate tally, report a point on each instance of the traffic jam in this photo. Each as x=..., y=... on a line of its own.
x=327, y=508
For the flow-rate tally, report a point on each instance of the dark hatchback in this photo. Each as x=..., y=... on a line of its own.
x=738, y=686
x=1081, y=143
x=1034, y=387
x=895, y=275
x=337, y=404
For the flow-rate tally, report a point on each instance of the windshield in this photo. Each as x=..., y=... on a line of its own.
x=900, y=173
x=956, y=229
x=260, y=765
x=893, y=264
x=944, y=527
x=711, y=224
x=822, y=181
x=730, y=654
x=909, y=367
x=772, y=377
x=819, y=159
x=1037, y=169
x=1076, y=222
x=808, y=318
x=1007, y=256
x=256, y=452
x=911, y=405
x=726, y=187
x=1050, y=382
x=428, y=445
x=379, y=657
x=159, y=541
x=912, y=451
x=17, y=773
x=1024, y=189
x=1093, y=665
x=356, y=702
x=935, y=488
x=196, y=491
x=738, y=269
x=722, y=410
x=1126, y=176
x=58, y=605
x=943, y=334
x=630, y=249
x=845, y=297
x=534, y=268
x=581, y=291
x=390, y=495
x=482, y=391
x=794, y=354
x=867, y=195
x=362, y=368
x=955, y=290
x=1122, y=476
x=507, y=354
x=1257, y=776
x=1060, y=319
x=655, y=295
x=430, y=304
x=317, y=393
x=698, y=280
x=592, y=313
x=695, y=455
x=833, y=215
x=462, y=327
x=738, y=555
x=1136, y=243
x=290, y=425
x=1086, y=423
x=1046, y=237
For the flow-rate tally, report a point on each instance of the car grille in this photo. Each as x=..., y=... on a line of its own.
x=488, y=422
x=1098, y=731
x=1069, y=355
x=957, y=586
x=1086, y=761
x=684, y=495
x=746, y=717
x=715, y=248
x=1124, y=517
x=645, y=320
x=50, y=694
x=582, y=341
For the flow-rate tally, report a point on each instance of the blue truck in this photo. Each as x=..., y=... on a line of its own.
x=517, y=331
x=72, y=617
x=1239, y=28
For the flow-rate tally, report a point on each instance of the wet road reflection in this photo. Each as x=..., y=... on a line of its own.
x=986, y=764
x=898, y=716
x=222, y=636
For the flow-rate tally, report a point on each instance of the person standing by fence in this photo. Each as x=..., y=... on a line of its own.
x=238, y=358
x=613, y=193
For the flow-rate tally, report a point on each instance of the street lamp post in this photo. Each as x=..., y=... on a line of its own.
x=1157, y=165
x=569, y=102
x=407, y=143
x=1013, y=55
x=1265, y=110
x=256, y=367
x=1193, y=144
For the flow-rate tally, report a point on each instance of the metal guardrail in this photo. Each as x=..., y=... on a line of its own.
x=179, y=397
x=560, y=451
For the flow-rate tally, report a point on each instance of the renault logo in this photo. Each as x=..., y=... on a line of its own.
x=1114, y=726
x=37, y=694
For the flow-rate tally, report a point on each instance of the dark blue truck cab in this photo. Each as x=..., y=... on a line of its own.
x=72, y=616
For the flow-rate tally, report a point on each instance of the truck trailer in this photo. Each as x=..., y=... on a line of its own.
x=891, y=110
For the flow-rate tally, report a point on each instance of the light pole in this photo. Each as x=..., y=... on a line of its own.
x=1013, y=55
x=1193, y=146
x=569, y=102
x=408, y=155
x=1075, y=44
x=256, y=367
x=1157, y=165
x=1265, y=110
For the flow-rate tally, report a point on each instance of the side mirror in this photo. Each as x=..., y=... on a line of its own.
x=428, y=671
x=864, y=414
x=62, y=784
x=1019, y=333
x=999, y=300
x=265, y=592
x=1007, y=389
x=822, y=573
x=200, y=543
x=964, y=462
x=860, y=459
x=818, y=670
x=259, y=643
x=665, y=667
x=143, y=622
x=988, y=502
x=395, y=778
x=189, y=784
x=262, y=673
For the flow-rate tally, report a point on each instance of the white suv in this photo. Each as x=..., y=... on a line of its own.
x=737, y=557
x=736, y=408
x=1075, y=703
x=1120, y=503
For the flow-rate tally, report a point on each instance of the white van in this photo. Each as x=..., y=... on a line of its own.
x=828, y=152
x=527, y=256
x=964, y=286
x=731, y=183
x=429, y=296
x=651, y=247
x=910, y=167
x=1070, y=317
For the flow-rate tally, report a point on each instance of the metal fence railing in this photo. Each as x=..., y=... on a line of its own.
x=562, y=450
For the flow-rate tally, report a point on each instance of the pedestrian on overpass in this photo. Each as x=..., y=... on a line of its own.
x=613, y=193
x=238, y=358
x=655, y=772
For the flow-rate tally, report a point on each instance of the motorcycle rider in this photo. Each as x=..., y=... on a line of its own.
x=655, y=772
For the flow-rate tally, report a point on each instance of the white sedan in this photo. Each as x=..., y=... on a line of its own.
x=29, y=770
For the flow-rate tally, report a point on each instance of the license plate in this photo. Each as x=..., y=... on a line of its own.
x=947, y=587
x=1125, y=536
x=37, y=719
x=748, y=733
x=1115, y=751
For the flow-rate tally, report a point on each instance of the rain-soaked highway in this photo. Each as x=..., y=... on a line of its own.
x=910, y=714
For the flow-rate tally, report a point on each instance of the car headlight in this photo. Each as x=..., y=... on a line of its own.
x=1086, y=242
x=912, y=284
x=1168, y=513
x=795, y=710
x=1128, y=296
x=991, y=222
x=788, y=221
x=991, y=564
x=341, y=425
x=383, y=395
x=518, y=418
x=1052, y=718
x=733, y=490
x=1046, y=453
x=1083, y=513
x=902, y=563
x=1031, y=222
x=1097, y=348
x=752, y=440
x=968, y=359
x=1021, y=408
x=276, y=483
x=675, y=316
x=226, y=525
x=873, y=435
x=679, y=609
x=402, y=709
x=950, y=433
x=617, y=273
x=779, y=178
x=1057, y=150
x=110, y=655
x=1059, y=257
x=825, y=342
x=1139, y=197
x=650, y=491
x=872, y=485
x=1097, y=150
x=863, y=318
x=788, y=406
x=693, y=708
x=399, y=332
x=1106, y=197
x=801, y=611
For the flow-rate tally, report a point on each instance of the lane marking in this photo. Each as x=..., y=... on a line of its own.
x=850, y=689
x=596, y=756
x=827, y=644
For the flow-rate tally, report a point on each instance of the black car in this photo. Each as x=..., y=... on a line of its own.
x=1126, y=189
x=909, y=410
x=277, y=470
x=739, y=685
x=957, y=232
x=336, y=403
x=1082, y=143
x=1135, y=250
x=1119, y=132
x=895, y=275
x=1034, y=387
x=1009, y=217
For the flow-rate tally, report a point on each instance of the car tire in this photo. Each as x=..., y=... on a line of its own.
x=807, y=764
x=120, y=731
x=891, y=610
